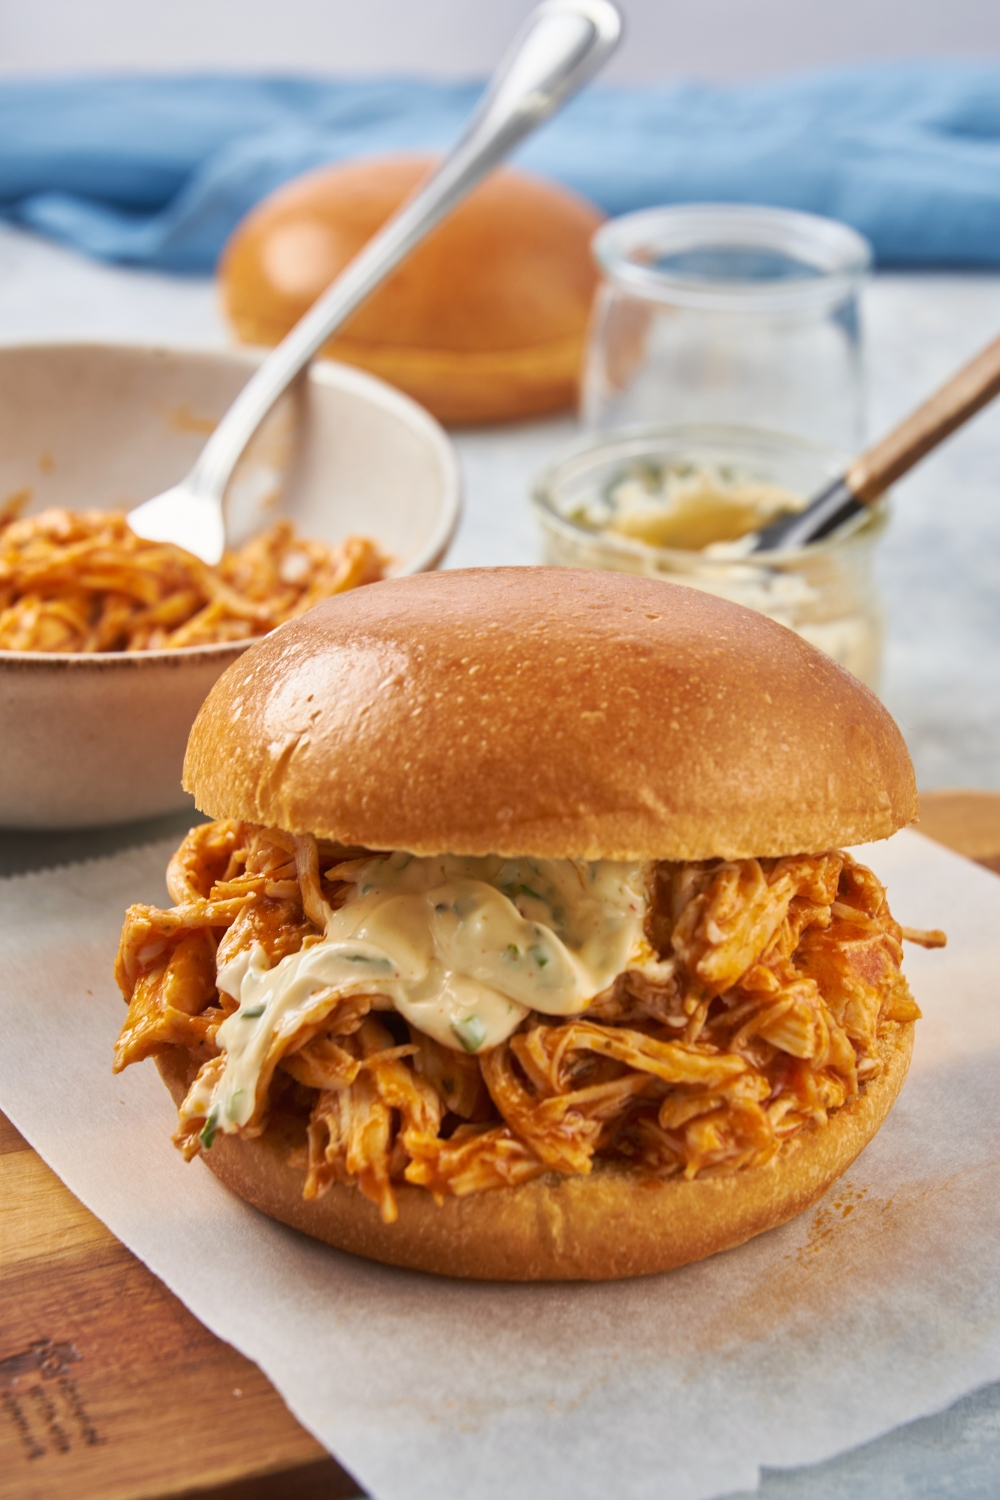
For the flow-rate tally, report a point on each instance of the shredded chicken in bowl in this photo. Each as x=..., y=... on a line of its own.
x=82, y=581
x=772, y=989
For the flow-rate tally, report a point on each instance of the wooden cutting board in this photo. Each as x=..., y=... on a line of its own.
x=111, y=1390
x=109, y=1387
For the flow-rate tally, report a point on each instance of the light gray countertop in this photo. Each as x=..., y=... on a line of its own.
x=939, y=571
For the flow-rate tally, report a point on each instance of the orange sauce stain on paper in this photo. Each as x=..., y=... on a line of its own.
x=856, y=1244
x=827, y=1220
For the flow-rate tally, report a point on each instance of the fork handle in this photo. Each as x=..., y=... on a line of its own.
x=561, y=45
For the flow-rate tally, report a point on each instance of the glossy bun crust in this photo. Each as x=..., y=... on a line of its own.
x=484, y=322
x=608, y=1225
x=549, y=712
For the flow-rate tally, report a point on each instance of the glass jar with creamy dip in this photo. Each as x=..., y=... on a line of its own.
x=682, y=503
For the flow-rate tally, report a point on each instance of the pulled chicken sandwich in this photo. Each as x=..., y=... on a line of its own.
x=525, y=943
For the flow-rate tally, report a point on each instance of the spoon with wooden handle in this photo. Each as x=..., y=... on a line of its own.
x=869, y=476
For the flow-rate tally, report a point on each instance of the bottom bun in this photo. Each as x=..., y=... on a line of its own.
x=613, y=1223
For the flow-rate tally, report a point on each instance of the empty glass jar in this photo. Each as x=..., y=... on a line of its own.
x=729, y=313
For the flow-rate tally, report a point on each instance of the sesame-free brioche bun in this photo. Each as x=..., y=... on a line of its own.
x=484, y=322
x=612, y=1223
x=552, y=713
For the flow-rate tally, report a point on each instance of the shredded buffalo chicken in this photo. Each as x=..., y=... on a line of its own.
x=83, y=581
x=777, y=988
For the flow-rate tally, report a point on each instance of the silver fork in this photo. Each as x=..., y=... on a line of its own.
x=561, y=45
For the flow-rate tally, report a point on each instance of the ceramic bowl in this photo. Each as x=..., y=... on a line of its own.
x=94, y=739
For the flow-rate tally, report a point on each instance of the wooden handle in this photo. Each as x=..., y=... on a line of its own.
x=963, y=395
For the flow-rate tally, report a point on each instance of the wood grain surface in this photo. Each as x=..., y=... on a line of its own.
x=967, y=821
x=111, y=1390
x=108, y=1386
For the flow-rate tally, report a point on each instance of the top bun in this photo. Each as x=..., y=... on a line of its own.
x=484, y=322
x=549, y=712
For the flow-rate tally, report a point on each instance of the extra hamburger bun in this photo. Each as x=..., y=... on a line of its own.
x=554, y=713
x=485, y=322
x=549, y=712
x=610, y=1224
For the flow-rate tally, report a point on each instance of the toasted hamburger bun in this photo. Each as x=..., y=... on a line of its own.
x=550, y=712
x=485, y=322
x=611, y=1224
x=559, y=714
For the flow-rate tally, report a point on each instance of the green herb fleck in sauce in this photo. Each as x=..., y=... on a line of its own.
x=208, y=1130
x=471, y=1032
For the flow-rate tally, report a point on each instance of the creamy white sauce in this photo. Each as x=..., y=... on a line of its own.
x=463, y=948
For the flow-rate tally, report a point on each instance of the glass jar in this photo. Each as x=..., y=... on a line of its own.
x=729, y=313
x=825, y=592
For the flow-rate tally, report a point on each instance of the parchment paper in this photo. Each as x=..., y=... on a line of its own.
x=879, y=1306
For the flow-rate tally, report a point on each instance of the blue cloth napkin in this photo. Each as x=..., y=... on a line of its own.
x=157, y=171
